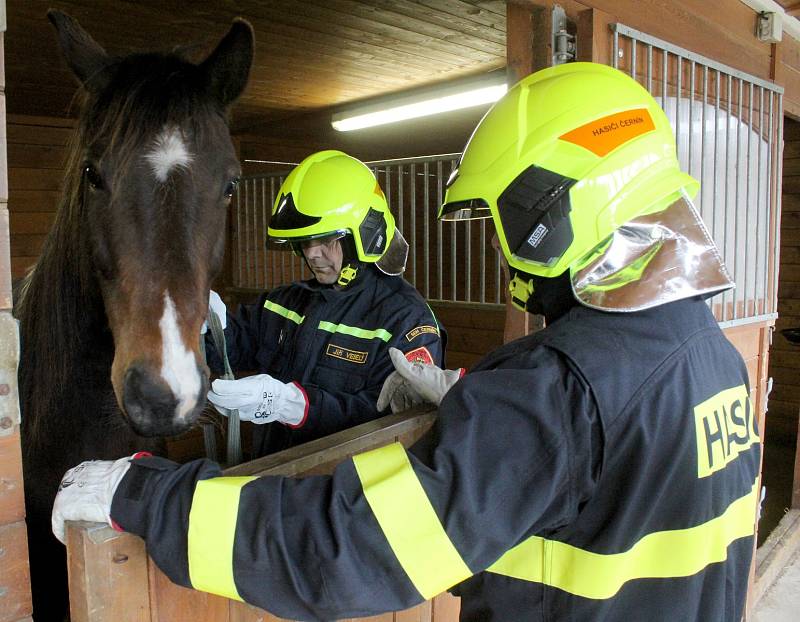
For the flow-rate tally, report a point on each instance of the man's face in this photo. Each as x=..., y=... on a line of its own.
x=324, y=257
x=496, y=246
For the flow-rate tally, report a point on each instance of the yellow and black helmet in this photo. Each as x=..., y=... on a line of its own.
x=332, y=193
x=567, y=156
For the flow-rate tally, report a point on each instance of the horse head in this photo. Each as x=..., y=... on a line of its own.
x=153, y=175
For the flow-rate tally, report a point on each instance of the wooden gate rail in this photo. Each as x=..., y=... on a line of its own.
x=111, y=578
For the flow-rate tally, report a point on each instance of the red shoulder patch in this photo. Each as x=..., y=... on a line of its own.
x=420, y=355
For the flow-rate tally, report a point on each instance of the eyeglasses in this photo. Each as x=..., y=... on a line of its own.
x=328, y=241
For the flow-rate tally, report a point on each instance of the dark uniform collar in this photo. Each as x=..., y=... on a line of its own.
x=552, y=297
x=366, y=277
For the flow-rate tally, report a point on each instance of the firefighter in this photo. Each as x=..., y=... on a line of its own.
x=604, y=468
x=321, y=345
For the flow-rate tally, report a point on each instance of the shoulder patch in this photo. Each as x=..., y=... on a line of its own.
x=421, y=330
x=420, y=355
x=346, y=354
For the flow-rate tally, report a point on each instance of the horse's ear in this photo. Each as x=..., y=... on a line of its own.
x=84, y=55
x=228, y=66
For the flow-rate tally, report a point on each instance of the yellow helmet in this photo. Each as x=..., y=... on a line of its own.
x=566, y=157
x=331, y=192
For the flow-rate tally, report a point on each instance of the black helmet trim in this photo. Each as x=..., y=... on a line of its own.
x=471, y=209
x=534, y=212
x=372, y=231
x=288, y=217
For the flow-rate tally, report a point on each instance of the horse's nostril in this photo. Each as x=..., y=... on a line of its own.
x=150, y=404
x=153, y=408
x=143, y=392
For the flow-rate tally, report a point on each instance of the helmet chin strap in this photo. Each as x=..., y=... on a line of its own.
x=551, y=297
x=521, y=288
x=350, y=262
x=348, y=274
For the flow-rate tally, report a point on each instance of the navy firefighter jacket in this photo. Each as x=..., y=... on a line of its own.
x=604, y=469
x=334, y=343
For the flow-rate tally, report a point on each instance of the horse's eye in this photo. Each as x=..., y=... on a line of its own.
x=230, y=187
x=93, y=177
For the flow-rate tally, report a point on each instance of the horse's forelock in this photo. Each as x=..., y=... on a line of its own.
x=147, y=94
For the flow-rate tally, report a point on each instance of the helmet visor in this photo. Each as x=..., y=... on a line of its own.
x=651, y=260
x=300, y=243
x=473, y=209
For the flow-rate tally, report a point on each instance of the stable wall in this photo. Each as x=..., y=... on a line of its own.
x=785, y=357
x=15, y=595
x=36, y=156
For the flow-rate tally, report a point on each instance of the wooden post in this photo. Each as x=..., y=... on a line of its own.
x=593, y=40
x=15, y=591
x=520, y=63
x=529, y=47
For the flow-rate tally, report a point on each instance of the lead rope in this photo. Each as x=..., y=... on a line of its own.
x=233, y=452
x=209, y=435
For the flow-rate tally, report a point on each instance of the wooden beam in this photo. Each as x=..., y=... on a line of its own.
x=519, y=41
x=528, y=48
x=593, y=38
x=326, y=452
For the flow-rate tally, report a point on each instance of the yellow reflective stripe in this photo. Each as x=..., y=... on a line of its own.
x=409, y=521
x=435, y=321
x=212, y=528
x=287, y=313
x=378, y=333
x=658, y=555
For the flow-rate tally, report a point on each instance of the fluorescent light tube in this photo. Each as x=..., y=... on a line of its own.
x=410, y=107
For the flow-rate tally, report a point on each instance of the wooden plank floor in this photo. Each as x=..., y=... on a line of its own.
x=781, y=602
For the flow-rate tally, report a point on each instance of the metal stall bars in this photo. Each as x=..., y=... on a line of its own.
x=728, y=126
x=256, y=265
x=450, y=261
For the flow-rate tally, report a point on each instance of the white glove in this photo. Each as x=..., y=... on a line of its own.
x=86, y=492
x=260, y=399
x=414, y=383
x=217, y=306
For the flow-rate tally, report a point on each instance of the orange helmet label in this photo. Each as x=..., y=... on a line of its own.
x=602, y=136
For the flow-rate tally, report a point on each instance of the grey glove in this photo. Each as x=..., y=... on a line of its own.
x=261, y=399
x=415, y=383
x=86, y=492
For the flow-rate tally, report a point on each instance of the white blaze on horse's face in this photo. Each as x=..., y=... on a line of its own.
x=178, y=365
x=167, y=153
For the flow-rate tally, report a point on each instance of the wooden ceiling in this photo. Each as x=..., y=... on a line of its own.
x=310, y=54
x=792, y=7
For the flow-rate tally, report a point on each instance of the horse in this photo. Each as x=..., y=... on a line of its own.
x=110, y=315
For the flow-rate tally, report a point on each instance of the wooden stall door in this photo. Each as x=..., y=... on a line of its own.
x=111, y=578
x=15, y=593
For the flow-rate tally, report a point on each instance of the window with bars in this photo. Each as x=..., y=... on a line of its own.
x=728, y=128
x=447, y=261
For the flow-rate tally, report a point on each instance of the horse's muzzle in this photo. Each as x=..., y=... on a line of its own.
x=151, y=406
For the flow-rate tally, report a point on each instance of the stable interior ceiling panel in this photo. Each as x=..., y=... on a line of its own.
x=310, y=54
